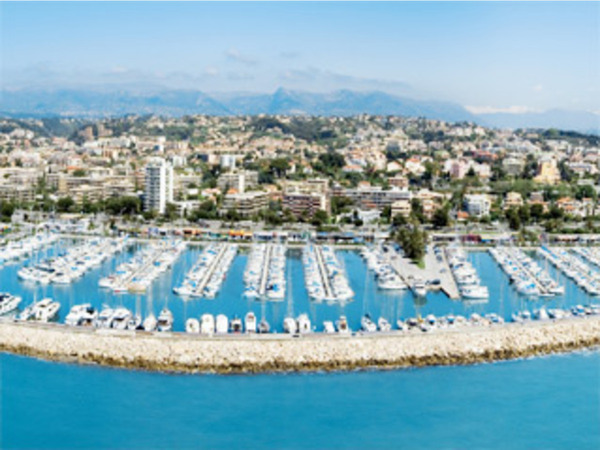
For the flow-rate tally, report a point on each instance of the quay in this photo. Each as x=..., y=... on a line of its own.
x=264, y=275
x=323, y=272
x=175, y=352
x=433, y=270
x=211, y=270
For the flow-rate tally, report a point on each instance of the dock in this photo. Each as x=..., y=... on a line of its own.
x=323, y=272
x=434, y=270
x=264, y=275
x=211, y=270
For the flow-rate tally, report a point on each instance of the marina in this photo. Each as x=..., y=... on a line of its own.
x=21, y=248
x=574, y=268
x=391, y=310
x=325, y=277
x=265, y=272
x=206, y=277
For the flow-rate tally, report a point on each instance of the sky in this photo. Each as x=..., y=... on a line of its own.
x=490, y=57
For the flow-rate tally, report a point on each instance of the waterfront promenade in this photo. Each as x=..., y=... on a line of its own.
x=174, y=352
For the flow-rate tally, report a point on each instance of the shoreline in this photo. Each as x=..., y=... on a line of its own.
x=239, y=354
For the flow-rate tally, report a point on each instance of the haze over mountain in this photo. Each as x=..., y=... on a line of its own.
x=94, y=103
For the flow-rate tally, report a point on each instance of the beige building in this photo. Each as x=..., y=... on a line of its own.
x=401, y=208
x=247, y=203
x=513, y=200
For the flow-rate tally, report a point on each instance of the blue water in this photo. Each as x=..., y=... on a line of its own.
x=550, y=402
x=368, y=299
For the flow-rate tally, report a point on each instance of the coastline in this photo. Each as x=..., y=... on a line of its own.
x=182, y=353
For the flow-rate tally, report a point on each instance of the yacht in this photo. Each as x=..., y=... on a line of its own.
x=105, y=318
x=477, y=292
x=290, y=326
x=165, y=320
x=342, y=325
x=8, y=303
x=236, y=325
x=383, y=324
x=134, y=322
x=192, y=326
x=207, y=324
x=46, y=310
x=328, y=327
x=250, y=322
x=222, y=324
x=264, y=327
x=121, y=318
x=81, y=315
x=150, y=323
x=303, y=324
x=419, y=288
x=367, y=324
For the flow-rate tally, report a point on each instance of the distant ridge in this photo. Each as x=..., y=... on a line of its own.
x=90, y=103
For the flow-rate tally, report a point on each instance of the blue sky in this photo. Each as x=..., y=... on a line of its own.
x=490, y=56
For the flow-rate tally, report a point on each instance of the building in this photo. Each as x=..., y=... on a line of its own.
x=17, y=193
x=548, y=172
x=369, y=197
x=477, y=205
x=158, y=185
x=398, y=181
x=401, y=208
x=513, y=200
x=237, y=180
x=246, y=203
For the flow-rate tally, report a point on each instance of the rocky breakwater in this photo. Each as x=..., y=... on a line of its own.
x=249, y=354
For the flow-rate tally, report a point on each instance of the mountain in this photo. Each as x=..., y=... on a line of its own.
x=85, y=103
x=581, y=121
x=93, y=103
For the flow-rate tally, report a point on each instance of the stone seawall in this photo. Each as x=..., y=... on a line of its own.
x=279, y=353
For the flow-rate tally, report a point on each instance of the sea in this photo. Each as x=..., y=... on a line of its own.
x=546, y=402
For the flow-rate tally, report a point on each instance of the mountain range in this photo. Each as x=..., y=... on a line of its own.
x=94, y=103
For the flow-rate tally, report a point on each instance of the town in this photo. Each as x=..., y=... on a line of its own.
x=345, y=176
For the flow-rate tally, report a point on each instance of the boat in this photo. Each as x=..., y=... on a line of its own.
x=367, y=324
x=207, y=324
x=419, y=288
x=264, y=327
x=236, y=325
x=342, y=325
x=46, y=310
x=383, y=324
x=105, y=318
x=165, y=320
x=134, y=322
x=121, y=318
x=150, y=322
x=8, y=303
x=222, y=324
x=192, y=326
x=303, y=324
x=81, y=315
x=290, y=326
x=250, y=322
x=328, y=327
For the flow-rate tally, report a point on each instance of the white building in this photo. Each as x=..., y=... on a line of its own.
x=477, y=205
x=159, y=185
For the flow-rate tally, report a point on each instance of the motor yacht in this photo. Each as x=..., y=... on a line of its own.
x=222, y=324
x=46, y=310
x=165, y=320
x=121, y=318
x=367, y=324
x=192, y=326
x=383, y=324
x=328, y=327
x=81, y=315
x=250, y=322
x=290, y=325
x=8, y=303
x=264, y=327
x=342, y=325
x=150, y=323
x=303, y=324
x=207, y=324
x=236, y=325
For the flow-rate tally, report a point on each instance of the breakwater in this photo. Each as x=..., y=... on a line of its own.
x=280, y=353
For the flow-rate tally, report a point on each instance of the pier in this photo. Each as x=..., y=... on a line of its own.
x=209, y=273
x=264, y=275
x=433, y=270
x=323, y=272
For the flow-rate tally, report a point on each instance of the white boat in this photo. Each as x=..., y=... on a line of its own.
x=367, y=324
x=328, y=327
x=192, y=326
x=134, y=322
x=121, y=318
x=105, y=318
x=165, y=320
x=207, y=324
x=222, y=324
x=303, y=324
x=46, y=310
x=236, y=325
x=290, y=326
x=342, y=325
x=383, y=324
x=250, y=322
x=8, y=303
x=264, y=327
x=81, y=315
x=419, y=288
x=150, y=322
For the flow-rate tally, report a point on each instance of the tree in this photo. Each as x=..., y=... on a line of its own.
x=537, y=211
x=441, y=217
x=514, y=221
x=170, y=211
x=413, y=241
x=417, y=210
x=319, y=218
x=64, y=204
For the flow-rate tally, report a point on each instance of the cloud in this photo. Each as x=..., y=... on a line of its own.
x=211, y=71
x=538, y=88
x=503, y=110
x=235, y=55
